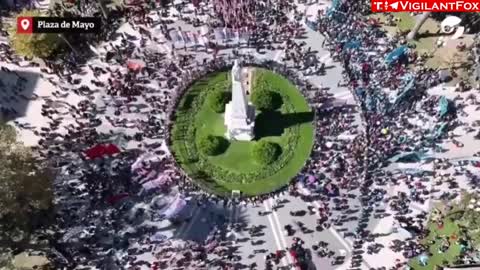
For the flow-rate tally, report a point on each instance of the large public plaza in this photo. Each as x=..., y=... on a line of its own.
x=370, y=159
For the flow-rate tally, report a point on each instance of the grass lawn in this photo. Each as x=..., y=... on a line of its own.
x=406, y=22
x=426, y=38
x=272, y=126
x=443, y=57
x=449, y=228
x=234, y=159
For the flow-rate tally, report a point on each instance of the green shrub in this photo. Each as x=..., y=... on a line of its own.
x=266, y=99
x=265, y=152
x=218, y=99
x=212, y=145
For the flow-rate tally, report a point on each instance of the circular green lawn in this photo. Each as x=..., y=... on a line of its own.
x=290, y=126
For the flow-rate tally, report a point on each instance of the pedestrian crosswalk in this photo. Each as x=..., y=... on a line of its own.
x=280, y=240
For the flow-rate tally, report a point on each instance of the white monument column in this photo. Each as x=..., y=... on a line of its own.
x=239, y=114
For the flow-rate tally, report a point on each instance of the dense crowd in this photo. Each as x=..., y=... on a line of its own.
x=119, y=91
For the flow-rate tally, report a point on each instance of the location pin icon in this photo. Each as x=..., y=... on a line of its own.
x=25, y=23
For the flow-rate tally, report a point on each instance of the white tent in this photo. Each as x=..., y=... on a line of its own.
x=449, y=24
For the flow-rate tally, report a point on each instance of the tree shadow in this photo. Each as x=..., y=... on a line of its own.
x=224, y=144
x=17, y=92
x=214, y=216
x=274, y=123
x=206, y=182
x=428, y=34
x=277, y=100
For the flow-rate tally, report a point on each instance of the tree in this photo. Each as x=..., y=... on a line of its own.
x=420, y=21
x=265, y=152
x=26, y=192
x=218, y=99
x=265, y=100
x=212, y=145
x=33, y=45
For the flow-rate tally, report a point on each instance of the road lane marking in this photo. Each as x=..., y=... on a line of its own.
x=332, y=230
x=282, y=236
x=345, y=242
x=340, y=239
x=274, y=230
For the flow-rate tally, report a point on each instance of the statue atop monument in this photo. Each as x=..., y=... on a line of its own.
x=239, y=113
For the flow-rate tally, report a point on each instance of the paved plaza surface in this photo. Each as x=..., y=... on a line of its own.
x=200, y=217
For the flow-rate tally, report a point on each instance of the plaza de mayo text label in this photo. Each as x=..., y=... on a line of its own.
x=27, y=25
x=425, y=5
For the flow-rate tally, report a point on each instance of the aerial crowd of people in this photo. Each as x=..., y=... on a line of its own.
x=129, y=80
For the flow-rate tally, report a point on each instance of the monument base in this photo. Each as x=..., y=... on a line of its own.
x=239, y=129
x=241, y=136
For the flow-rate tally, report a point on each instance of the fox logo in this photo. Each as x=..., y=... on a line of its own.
x=394, y=6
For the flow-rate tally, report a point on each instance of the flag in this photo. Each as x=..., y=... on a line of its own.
x=101, y=150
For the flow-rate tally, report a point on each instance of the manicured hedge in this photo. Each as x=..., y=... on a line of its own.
x=211, y=145
x=189, y=153
x=265, y=152
x=217, y=100
x=265, y=100
x=187, y=132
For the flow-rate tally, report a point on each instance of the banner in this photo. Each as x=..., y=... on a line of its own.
x=102, y=150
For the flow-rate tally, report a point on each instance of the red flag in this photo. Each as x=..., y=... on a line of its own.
x=101, y=150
